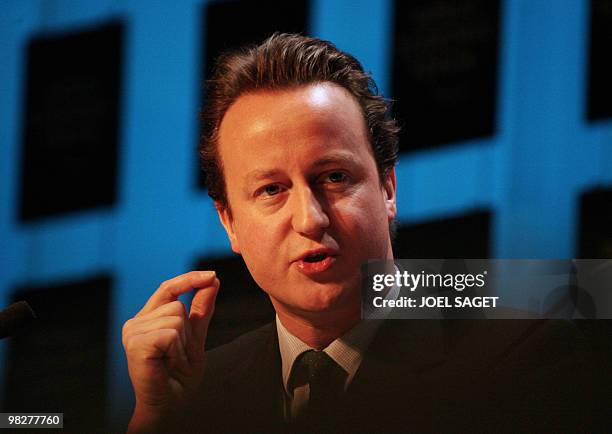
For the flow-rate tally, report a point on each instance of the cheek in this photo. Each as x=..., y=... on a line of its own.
x=261, y=248
x=364, y=223
x=254, y=239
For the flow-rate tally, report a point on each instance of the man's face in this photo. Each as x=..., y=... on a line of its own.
x=307, y=206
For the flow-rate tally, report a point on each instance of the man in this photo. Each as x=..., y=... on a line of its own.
x=304, y=185
x=299, y=153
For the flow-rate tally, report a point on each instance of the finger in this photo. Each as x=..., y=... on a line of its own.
x=135, y=325
x=170, y=290
x=150, y=325
x=163, y=346
x=200, y=314
x=174, y=308
x=176, y=359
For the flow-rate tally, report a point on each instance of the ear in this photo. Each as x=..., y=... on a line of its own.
x=225, y=216
x=389, y=195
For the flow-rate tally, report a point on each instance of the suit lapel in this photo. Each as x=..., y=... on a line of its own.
x=258, y=386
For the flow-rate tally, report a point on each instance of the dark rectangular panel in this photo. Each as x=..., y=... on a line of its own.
x=599, y=97
x=595, y=224
x=445, y=67
x=464, y=236
x=241, y=305
x=59, y=364
x=232, y=24
x=235, y=23
x=71, y=122
x=595, y=242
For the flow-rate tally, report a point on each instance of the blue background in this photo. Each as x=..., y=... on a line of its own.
x=530, y=174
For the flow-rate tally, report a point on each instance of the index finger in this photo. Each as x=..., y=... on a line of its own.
x=170, y=290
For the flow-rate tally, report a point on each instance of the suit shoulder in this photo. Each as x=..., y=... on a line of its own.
x=225, y=357
x=531, y=343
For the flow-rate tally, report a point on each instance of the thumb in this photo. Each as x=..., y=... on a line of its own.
x=200, y=314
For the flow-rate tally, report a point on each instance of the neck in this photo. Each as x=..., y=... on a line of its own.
x=318, y=330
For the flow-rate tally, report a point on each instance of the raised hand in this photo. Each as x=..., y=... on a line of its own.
x=164, y=345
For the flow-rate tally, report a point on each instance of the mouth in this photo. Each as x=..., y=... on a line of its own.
x=317, y=257
x=316, y=261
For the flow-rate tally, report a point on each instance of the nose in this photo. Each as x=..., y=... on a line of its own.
x=308, y=214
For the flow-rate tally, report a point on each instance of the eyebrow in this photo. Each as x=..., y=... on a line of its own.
x=259, y=174
x=333, y=158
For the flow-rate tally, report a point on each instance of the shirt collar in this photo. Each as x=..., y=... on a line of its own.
x=347, y=351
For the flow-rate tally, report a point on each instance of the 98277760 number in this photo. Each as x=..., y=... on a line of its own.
x=37, y=420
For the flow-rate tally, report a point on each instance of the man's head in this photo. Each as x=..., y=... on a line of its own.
x=284, y=61
x=306, y=186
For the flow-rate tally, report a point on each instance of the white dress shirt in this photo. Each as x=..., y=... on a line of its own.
x=347, y=351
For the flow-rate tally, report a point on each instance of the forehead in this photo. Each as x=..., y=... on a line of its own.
x=321, y=117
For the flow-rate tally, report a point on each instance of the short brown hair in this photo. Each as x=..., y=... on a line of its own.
x=283, y=61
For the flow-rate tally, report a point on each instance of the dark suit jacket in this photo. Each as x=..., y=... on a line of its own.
x=422, y=376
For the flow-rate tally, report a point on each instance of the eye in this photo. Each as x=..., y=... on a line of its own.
x=337, y=177
x=336, y=180
x=269, y=190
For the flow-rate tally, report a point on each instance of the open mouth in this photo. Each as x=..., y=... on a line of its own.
x=318, y=257
x=316, y=262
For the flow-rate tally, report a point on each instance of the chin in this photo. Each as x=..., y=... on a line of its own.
x=328, y=300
